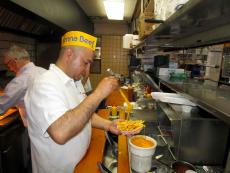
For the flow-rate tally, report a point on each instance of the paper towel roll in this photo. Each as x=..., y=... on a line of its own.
x=127, y=40
x=135, y=42
x=135, y=37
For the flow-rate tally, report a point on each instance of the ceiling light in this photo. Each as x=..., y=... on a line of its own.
x=114, y=9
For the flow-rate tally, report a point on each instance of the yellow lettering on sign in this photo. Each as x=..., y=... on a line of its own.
x=77, y=38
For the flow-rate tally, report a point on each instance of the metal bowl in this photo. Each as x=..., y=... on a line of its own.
x=182, y=166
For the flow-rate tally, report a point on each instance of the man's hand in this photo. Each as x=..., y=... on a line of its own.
x=106, y=86
x=113, y=127
x=130, y=127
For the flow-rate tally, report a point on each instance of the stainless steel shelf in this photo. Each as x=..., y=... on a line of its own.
x=197, y=23
x=212, y=99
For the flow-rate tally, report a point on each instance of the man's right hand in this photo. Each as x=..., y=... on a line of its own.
x=106, y=86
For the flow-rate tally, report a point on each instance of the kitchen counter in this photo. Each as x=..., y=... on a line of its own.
x=98, y=143
x=115, y=99
x=8, y=118
x=209, y=97
x=11, y=137
x=95, y=151
x=152, y=126
x=7, y=113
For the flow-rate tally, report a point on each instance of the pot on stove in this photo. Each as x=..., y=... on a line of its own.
x=178, y=166
x=182, y=167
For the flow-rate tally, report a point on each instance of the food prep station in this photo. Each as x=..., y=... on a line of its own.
x=155, y=130
x=183, y=132
x=197, y=134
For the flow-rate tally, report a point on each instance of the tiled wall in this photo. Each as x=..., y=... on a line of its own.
x=8, y=39
x=112, y=56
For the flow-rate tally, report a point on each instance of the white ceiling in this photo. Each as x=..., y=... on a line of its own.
x=95, y=9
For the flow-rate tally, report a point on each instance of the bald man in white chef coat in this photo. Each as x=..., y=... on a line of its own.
x=60, y=115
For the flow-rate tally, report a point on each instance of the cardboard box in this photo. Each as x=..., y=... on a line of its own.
x=163, y=9
x=144, y=27
x=149, y=6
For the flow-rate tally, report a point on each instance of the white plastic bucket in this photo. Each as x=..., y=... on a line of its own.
x=141, y=158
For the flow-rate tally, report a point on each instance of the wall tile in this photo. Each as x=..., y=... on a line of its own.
x=113, y=56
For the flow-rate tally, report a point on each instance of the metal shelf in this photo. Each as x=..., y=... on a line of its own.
x=210, y=98
x=197, y=23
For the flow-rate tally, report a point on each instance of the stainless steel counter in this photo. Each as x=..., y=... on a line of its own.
x=209, y=97
x=152, y=130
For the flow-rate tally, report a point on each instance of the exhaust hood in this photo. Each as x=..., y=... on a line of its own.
x=16, y=19
x=44, y=20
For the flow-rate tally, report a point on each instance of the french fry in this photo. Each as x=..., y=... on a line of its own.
x=130, y=125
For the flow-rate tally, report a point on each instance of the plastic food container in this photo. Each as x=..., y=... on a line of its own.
x=141, y=157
